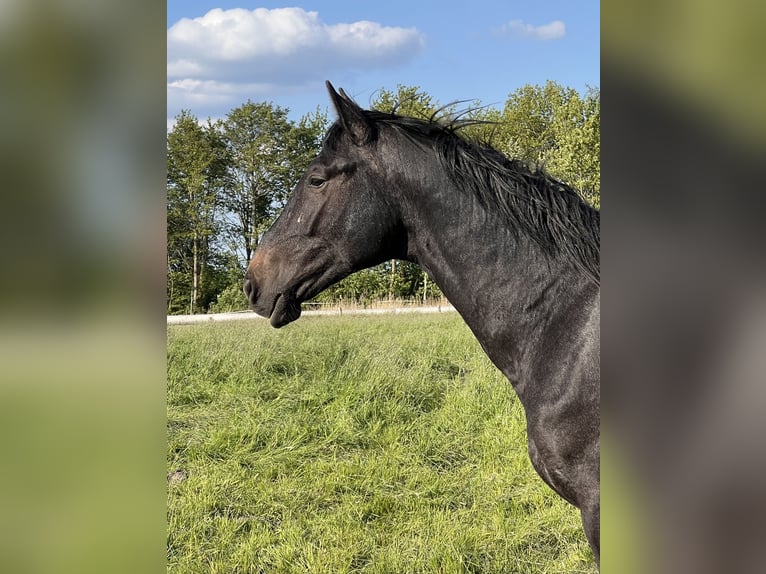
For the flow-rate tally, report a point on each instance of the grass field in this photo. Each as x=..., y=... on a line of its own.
x=385, y=444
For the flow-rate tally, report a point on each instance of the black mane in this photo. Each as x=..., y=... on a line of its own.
x=552, y=213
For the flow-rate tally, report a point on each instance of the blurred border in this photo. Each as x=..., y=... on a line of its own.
x=684, y=319
x=82, y=327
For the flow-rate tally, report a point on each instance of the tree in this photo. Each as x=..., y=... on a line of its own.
x=576, y=159
x=554, y=126
x=406, y=101
x=268, y=154
x=254, y=136
x=196, y=168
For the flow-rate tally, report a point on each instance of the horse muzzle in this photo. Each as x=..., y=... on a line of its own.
x=280, y=309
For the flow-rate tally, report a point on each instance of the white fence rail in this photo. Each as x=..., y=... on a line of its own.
x=335, y=310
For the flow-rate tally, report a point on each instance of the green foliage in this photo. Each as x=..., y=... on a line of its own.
x=374, y=444
x=556, y=127
x=392, y=280
x=406, y=101
x=360, y=288
x=226, y=183
x=230, y=299
x=196, y=168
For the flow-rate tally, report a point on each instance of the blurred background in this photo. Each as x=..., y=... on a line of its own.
x=82, y=413
x=684, y=318
x=82, y=107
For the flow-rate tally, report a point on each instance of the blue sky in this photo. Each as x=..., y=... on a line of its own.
x=223, y=52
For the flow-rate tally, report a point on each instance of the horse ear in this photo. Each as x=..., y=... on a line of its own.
x=351, y=116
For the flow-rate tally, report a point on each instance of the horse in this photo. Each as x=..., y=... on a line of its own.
x=515, y=251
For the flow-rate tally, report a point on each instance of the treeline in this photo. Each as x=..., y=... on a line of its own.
x=228, y=180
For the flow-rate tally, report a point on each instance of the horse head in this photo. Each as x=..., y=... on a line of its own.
x=336, y=221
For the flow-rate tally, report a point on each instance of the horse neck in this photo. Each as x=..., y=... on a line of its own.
x=512, y=294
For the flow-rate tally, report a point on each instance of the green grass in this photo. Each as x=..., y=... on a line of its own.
x=386, y=444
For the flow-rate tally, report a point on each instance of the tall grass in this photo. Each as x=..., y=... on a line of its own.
x=357, y=444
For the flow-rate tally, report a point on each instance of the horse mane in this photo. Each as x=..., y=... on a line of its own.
x=549, y=211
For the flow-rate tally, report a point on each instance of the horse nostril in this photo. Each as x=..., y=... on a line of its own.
x=249, y=289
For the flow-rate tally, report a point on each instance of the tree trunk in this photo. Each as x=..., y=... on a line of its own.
x=171, y=286
x=195, y=275
x=391, y=281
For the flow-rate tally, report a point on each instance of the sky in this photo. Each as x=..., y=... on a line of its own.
x=222, y=53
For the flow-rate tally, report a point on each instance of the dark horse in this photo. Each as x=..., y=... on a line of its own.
x=515, y=251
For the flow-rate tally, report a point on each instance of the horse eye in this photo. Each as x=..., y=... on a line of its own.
x=316, y=181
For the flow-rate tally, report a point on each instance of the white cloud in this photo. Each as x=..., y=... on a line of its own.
x=520, y=29
x=226, y=51
x=191, y=93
